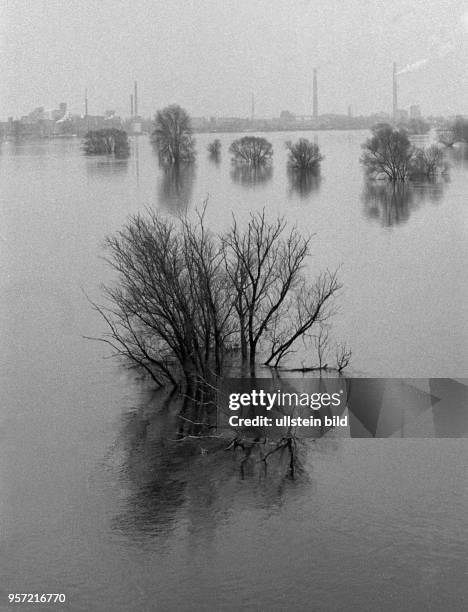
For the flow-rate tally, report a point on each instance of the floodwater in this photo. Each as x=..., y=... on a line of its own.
x=98, y=503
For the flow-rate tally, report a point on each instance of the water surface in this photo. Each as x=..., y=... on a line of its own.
x=96, y=501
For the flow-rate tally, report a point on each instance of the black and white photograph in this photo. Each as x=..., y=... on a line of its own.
x=233, y=321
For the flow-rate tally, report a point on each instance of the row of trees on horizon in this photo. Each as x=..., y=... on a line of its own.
x=387, y=154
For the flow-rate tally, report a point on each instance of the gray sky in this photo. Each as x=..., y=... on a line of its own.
x=209, y=55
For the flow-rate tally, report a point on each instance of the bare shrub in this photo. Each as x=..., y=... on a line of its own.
x=185, y=297
x=343, y=356
x=427, y=162
x=304, y=155
x=251, y=150
x=275, y=304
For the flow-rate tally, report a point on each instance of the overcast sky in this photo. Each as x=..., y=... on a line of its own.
x=210, y=55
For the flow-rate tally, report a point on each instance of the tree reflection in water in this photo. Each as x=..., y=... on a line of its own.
x=160, y=474
x=393, y=203
x=214, y=156
x=429, y=191
x=303, y=182
x=175, y=186
x=110, y=168
x=20, y=146
x=251, y=175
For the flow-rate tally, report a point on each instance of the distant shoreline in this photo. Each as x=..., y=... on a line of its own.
x=31, y=138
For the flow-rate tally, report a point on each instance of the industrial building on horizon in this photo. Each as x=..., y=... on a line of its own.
x=59, y=122
x=315, y=96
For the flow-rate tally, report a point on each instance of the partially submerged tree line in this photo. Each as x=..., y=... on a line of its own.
x=188, y=302
x=389, y=154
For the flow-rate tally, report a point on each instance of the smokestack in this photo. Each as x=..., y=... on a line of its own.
x=135, y=99
x=315, y=96
x=131, y=105
x=395, y=92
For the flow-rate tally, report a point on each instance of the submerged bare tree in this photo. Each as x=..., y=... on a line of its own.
x=172, y=136
x=170, y=312
x=308, y=308
x=387, y=153
x=264, y=268
x=304, y=155
x=276, y=306
x=251, y=150
x=343, y=356
x=109, y=141
x=186, y=299
x=214, y=148
x=427, y=162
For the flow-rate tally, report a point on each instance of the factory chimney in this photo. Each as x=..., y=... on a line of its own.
x=135, y=99
x=131, y=105
x=315, y=96
x=395, y=93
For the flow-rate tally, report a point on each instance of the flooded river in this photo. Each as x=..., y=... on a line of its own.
x=95, y=501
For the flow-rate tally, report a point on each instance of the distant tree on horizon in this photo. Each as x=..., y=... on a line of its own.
x=109, y=141
x=251, y=150
x=172, y=136
x=428, y=162
x=214, y=148
x=387, y=153
x=304, y=155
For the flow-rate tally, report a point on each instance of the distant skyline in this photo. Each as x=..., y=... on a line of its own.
x=210, y=56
